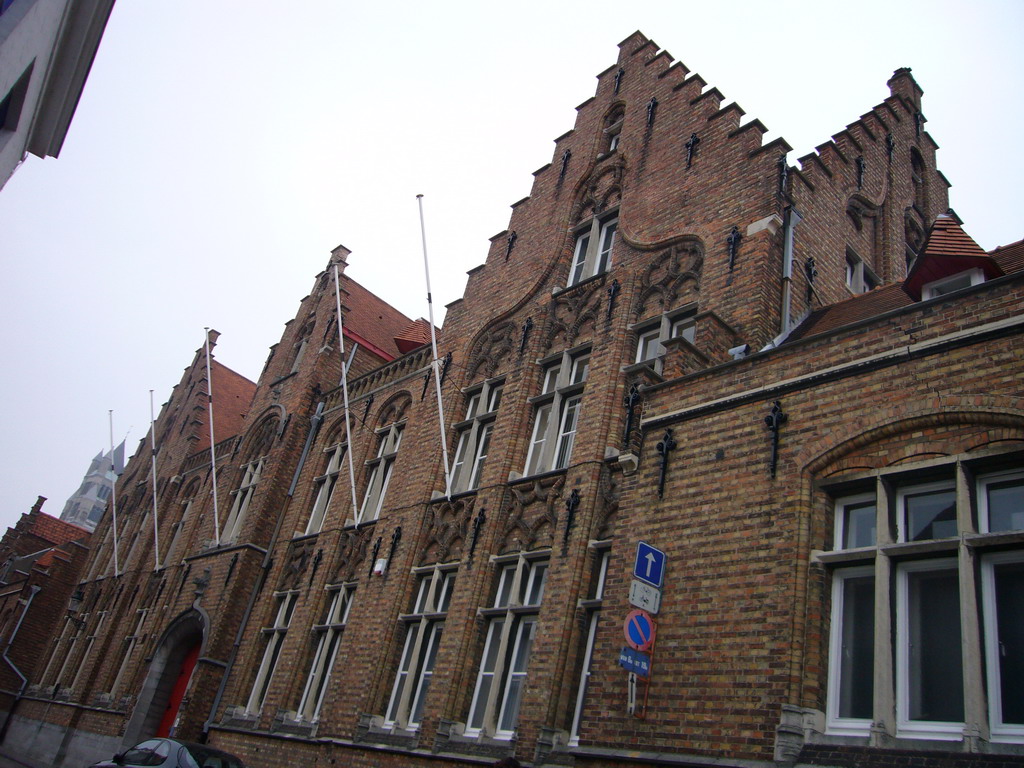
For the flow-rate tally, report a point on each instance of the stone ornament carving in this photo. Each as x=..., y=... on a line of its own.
x=671, y=275
x=447, y=525
x=531, y=515
x=351, y=553
x=394, y=409
x=601, y=191
x=573, y=316
x=299, y=555
x=608, y=493
x=495, y=344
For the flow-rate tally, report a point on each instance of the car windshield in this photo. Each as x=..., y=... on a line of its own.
x=198, y=756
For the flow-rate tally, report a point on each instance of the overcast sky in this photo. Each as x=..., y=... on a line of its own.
x=222, y=149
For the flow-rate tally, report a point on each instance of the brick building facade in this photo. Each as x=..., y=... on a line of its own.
x=800, y=385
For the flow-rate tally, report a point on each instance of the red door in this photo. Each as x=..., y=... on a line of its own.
x=178, y=692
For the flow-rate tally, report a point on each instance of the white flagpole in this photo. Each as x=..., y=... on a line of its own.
x=436, y=362
x=344, y=392
x=213, y=454
x=113, y=493
x=156, y=525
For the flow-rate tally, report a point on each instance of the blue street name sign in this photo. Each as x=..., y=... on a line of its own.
x=650, y=564
x=635, y=661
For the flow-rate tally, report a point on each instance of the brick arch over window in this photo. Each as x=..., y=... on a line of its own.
x=393, y=410
x=260, y=439
x=1001, y=417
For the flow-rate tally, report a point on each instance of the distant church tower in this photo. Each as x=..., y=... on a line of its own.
x=85, y=506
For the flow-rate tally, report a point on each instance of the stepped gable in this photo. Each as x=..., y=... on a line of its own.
x=947, y=251
x=372, y=319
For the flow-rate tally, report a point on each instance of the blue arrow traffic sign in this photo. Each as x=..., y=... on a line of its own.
x=650, y=564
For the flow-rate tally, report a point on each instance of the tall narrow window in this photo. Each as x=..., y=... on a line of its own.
x=653, y=334
x=556, y=412
x=380, y=468
x=592, y=253
x=930, y=687
x=423, y=629
x=328, y=639
x=852, y=655
x=325, y=484
x=593, y=607
x=1003, y=600
x=475, y=435
x=176, y=533
x=274, y=635
x=130, y=644
x=511, y=626
x=242, y=497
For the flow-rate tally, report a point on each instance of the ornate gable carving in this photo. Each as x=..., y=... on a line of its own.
x=669, y=278
x=351, y=553
x=447, y=523
x=532, y=515
x=574, y=313
x=494, y=345
x=599, y=191
x=299, y=555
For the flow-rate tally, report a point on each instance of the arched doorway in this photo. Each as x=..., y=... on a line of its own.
x=167, y=680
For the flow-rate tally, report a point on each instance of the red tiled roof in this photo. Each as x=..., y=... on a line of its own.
x=56, y=531
x=372, y=318
x=1010, y=257
x=869, y=304
x=947, y=251
x=413, y=336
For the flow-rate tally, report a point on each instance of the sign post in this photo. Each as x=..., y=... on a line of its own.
x=640, y=629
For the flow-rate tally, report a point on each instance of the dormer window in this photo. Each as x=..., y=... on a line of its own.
x=952, y=283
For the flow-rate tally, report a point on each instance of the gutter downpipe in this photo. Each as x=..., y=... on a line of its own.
x=24, y=680
x=791, y=219
x=314, y=427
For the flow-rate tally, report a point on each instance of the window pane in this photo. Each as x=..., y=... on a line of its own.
x=481, y=456
x=647, y=346
x=1005, y=505
x=580, y=369
x=858, y=525
x=931, y=515
x=579, y=259
x=856, y=653
x=517, y=674
x=935, y=671
x=567, y=434
x=1009, y=584
x=607, y=242
x=540, y=429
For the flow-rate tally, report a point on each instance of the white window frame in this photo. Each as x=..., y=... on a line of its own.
x=592, y=251
x=423, y=628
x=1001, y=731
x=905, y=727
x=859, y=276
x=835, y=724
x=952, y=283
x=474, y=434
x=984, y=481
x=653, y=334
x=511, y=628
x=840, y=518
x=902, y=522
x=177, y=530
x=593, y=608
x=325, y=485
x=272, y=652
x=251, y=473
x=552, y=439
x=329, y=635
x=380, y=468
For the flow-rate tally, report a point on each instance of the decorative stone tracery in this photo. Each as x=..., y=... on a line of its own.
x=531, y=515
x=574, y=315
x=447, y=525
x=672, y=276
x=493, y=346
